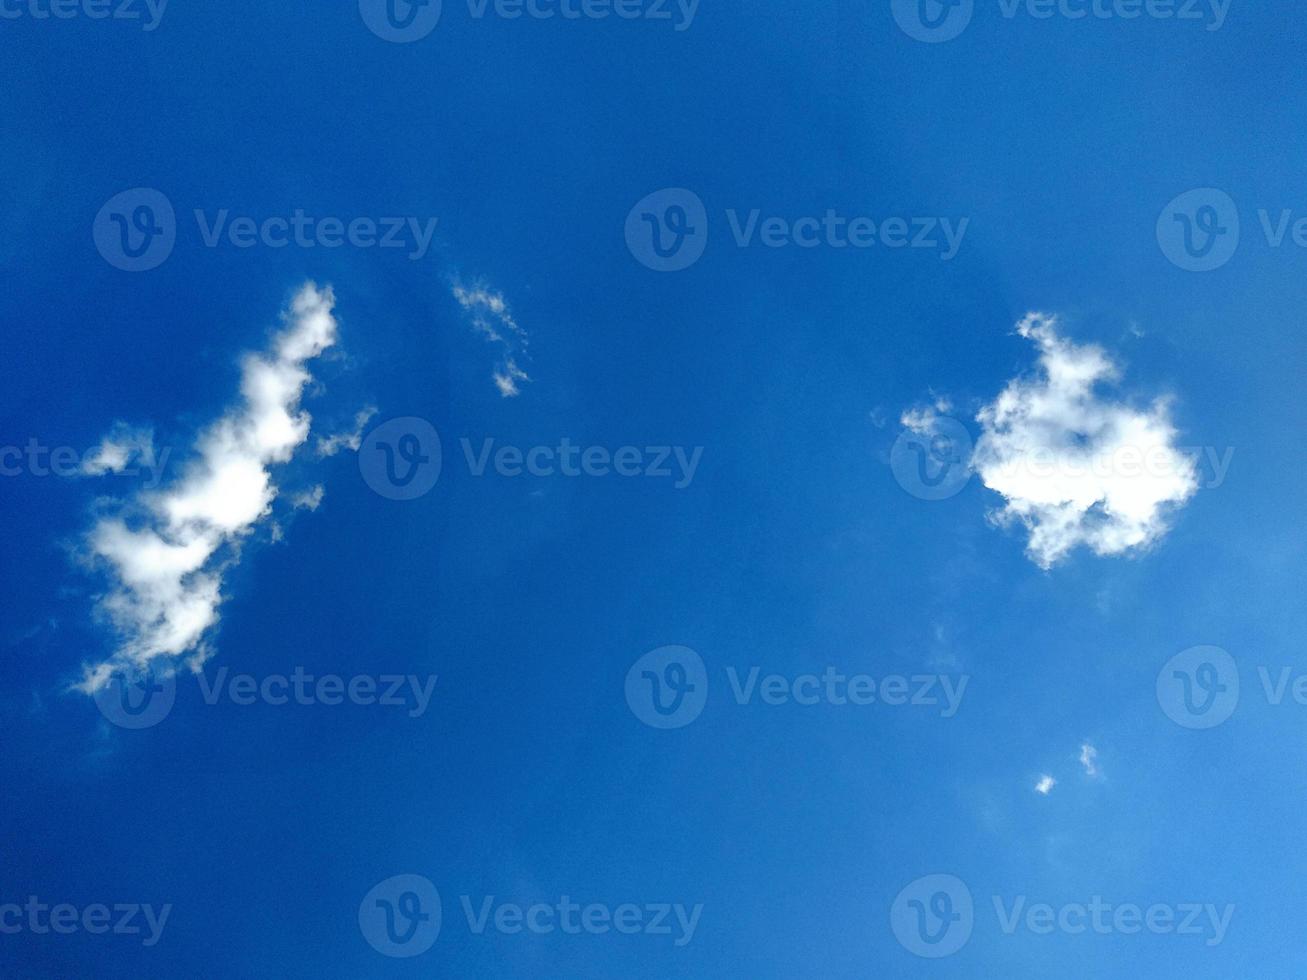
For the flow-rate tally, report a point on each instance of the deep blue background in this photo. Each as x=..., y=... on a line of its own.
x=529, y=777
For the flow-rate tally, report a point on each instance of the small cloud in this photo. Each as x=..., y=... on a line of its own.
x=123, y=446
x=350, y=439
x=1089, y=759
x=1045, y=785
x=920, y=420
x=308, y=500
x=507, y=379
x=492, y=318
x=1075, y=466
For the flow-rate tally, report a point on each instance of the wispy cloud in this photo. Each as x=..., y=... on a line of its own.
x=166, y=552
x=1089, y=759
x=1045, y=785
x=310, y=499
x=350, y=439
x=124, y=446
x=492, y=318
x=1074, y=466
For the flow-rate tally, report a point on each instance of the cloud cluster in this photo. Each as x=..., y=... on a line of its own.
x=492, y=319
x=166, y=551
x=1088, y=761
x=1074, y=466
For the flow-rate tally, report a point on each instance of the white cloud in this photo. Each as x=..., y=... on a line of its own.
x=1076, y=467
x=166, y=551
x=924, y=419
x=1089, y=759
x=1045, y=785
x=119, y=449
x=492, y=318
x=350, y=439
x=309, y=499
x=507, y=377
x=919, y=420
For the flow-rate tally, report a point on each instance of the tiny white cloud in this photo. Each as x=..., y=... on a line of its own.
x=350, y=439
x=507, y=378
x=1045, y=785
x=1075, y=466
x=491, y=317
x=310, y=499
x=921, y=420
x=166, y=552
x=1089, y=760
x=121, y=448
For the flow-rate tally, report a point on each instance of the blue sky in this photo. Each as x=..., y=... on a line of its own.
x=350, y=463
